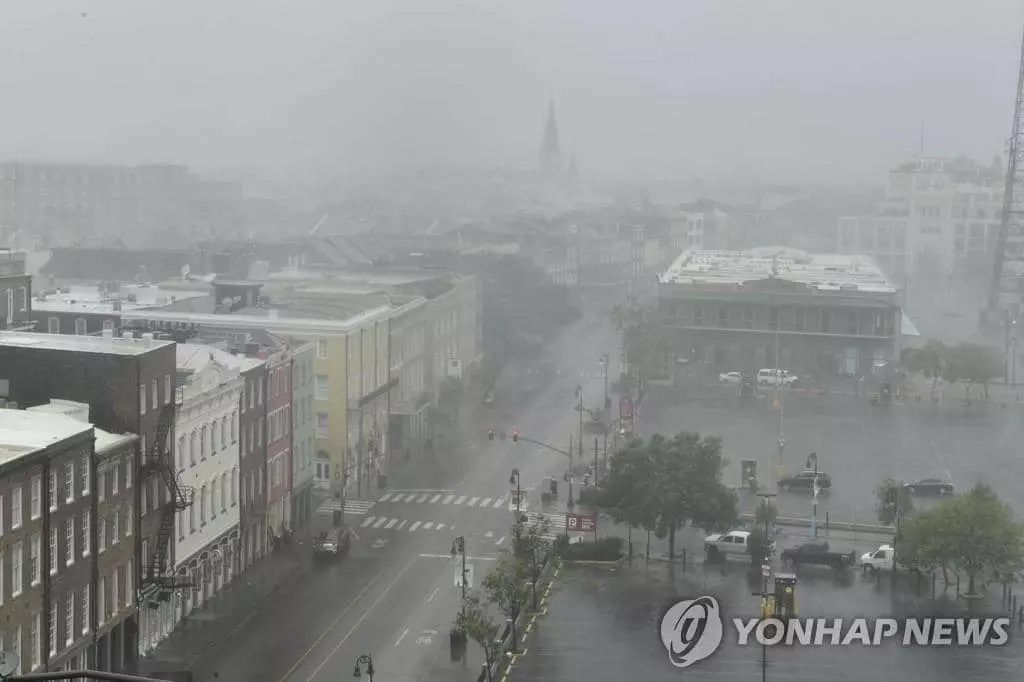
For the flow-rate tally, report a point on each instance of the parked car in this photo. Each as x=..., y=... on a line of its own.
x=878, y=560
x=331, y=543
x=818, y=553
x=730, y=377
x=732, y=544
x=930, y=486
x=805, y=481
x=776, y=377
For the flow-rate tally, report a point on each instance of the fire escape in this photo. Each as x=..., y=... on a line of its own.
x=159, y=581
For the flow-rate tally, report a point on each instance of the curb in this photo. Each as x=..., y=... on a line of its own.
x=593, y=562
x=832, y=525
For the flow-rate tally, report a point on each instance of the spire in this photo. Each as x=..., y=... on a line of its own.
x=550, y=154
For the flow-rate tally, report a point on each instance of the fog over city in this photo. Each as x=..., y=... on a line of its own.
x=791, y=90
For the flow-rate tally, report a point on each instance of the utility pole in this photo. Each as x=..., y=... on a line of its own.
x=459, y=547
x=765, y=573
x=579, y=428
x=595, y=461
x=605, y=360
x=812, y=463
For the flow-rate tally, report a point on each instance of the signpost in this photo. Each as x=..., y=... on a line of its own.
x=581, y=523
x=469, y=575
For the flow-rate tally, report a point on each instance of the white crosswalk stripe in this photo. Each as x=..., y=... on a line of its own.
x=429, y=497
x=402, y=524
x=461, y=499
x=500, y=502
x=414, y=526
x=448, y=499
x=472, y=502
x=485, y=502
x=357, y=507
x=394, y=524
x=422, y=498
x=386, y=496
x=434, y=499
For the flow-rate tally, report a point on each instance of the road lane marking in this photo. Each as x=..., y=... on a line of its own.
x=499, y=502
x=414, y=526
x=368, y=521
x=500, y=540
x=402, y=636
x=485, y=502
x=391, y=524
x=440, y=526
x=428, y=525
x=422, y=498
x=472, y=502
x=402, y=524
x=449, y=557
x=334, y=623
x=448, y=499
x=433, y=594
x=489, y=534
x=362, y=618
x=380, y=522
x=461, y=499
x=404, y=498
x=385, y=497
x=434, y=499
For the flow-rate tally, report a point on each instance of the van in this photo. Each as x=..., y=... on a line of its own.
x=770, y=377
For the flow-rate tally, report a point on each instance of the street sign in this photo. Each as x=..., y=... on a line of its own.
x=469, y=575
x=766, y=570
x=581, y=523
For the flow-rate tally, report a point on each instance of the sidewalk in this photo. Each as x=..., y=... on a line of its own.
x=227, y=612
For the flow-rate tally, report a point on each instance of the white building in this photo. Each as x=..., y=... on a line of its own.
x=936, y=213
x=206, y=428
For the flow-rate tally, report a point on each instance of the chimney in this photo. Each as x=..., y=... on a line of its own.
x=147, y=339
x=127, y=335
x=108, y=333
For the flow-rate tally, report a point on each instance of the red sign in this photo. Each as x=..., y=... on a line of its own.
x=581, y=523
x=626, y=409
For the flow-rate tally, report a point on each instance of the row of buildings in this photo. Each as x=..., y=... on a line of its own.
x=212, y=409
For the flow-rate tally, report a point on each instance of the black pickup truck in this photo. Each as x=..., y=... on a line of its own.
x=818, y=553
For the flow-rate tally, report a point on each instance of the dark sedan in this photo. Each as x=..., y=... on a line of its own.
x=805, y=481
x=930, y=486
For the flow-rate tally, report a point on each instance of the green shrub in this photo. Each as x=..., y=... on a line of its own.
x=605, y=549
x=590, y=497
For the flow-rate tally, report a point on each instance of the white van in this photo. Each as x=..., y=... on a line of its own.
x=771, y=377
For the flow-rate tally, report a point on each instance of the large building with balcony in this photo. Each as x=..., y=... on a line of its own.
x=814, y=314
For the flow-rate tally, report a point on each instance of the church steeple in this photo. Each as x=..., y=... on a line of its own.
x=550, y=153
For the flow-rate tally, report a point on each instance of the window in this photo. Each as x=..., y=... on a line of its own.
x=69, y=618
x=129, y=520
x=81, y=328
x=34, y=634
x=53, y=626
x=322, y=387
x=181, y=453
x=115, y=527
x=69, y=541
x=115, y=584
x=723, y=316
x=101, y=599
x=86, y=471
x=202, y=505
x=115, y=478
x=224, y=492
x=798, y=319
x=234, y=486
x=321, y=348
x=23, y=298
x=86, y=540
x=213, y=499
x=128, y=472
x=35, y=548
x=101, y=536
x=16, y=648
x=773, y=319
x=192, y=518
x=84, y=603
x=54, y=556
x=69, y=482
x=192, y=448
x=36, y=497
x=155, y=393
x=128, y=579
x=234, y=427
x=101, y=485
x=259, y=392
x=53, y=325
x=108, y=324
x=202, y=442
x=167, y=389
x=142, y=398
x=16, y=495
x=17, y=580
x=321, y=425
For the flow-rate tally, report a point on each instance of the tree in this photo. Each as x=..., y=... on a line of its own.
x=625, y=497
x=929, y=360
x=505, y=587
x=532, y=548
x=974, y=533
x=892, y=500
x=480, y=627
x=971, y=363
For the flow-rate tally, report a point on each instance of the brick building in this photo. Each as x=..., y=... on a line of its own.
x=815, y=314
x=129, y=386
x=252, y=460
x=279, y=441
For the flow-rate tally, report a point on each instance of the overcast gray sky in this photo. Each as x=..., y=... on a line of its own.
x=782, y=89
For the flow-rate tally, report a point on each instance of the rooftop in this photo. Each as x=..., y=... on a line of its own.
x=105, y=440
x=822, y=271
x=22, y=433
x=196, y=356
x=103, y=345
x=94, y=300
x=271, y=321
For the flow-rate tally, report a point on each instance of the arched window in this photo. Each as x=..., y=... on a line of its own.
x=213, y=498
x=224, y=432
x=202, y=442
x=234, y=427
x=181, y=453
x=192, y=449
x=203, y=499
x=224, y=491
x=234, y=486
x=192, y=517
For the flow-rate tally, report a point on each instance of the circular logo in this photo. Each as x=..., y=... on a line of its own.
x=691, y=630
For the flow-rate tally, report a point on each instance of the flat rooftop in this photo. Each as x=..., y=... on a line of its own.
x=270, y=322
x=132, y=297
x=81, y=344
x=22, y=433
x=196, y=356
x=105, y=440
x=823, y=271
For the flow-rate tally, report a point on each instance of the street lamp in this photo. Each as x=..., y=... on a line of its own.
x=514, y=480
x=812, y=463
x=459, y=547
x=366, y=660
x=579, y=429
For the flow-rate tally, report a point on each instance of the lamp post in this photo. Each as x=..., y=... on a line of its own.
x=812, y=463
x=364, y=660
x=579, y=428
x=514, y=480
x=605, y=361
x=569, y=504
x=459, y=547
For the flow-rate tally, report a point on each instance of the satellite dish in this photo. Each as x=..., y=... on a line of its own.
x=185, y=270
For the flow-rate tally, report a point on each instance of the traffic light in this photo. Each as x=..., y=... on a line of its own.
x=490, y=434
x=515, y=436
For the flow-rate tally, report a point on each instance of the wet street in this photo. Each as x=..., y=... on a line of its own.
x=603, y=624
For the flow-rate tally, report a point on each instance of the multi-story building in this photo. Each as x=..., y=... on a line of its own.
x=46, y=485
x=252, y=457
x=80, y=309
x=15, y=291
x=106, y=540
x=207, y=537
x=780, y=308
x=279, y=441
x=129, y=385
x=304, y=473
x=941, y=214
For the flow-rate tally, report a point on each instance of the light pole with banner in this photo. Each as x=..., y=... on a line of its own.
x=812, y=463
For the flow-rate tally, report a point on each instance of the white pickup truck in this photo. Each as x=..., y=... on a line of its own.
x=732, y=544
x=878, y=560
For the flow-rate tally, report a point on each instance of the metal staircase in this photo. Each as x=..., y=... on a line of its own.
x=159, y=580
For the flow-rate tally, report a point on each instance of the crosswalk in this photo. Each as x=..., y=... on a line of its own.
x=356, y=507
x=452, y=499
x=396, y=524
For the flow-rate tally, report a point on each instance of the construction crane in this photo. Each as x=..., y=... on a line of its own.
x=1010, y=240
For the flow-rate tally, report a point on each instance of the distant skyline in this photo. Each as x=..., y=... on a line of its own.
x=792, y=91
